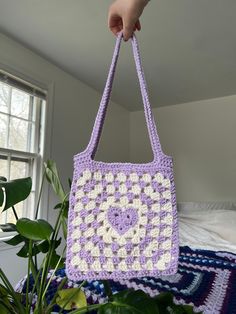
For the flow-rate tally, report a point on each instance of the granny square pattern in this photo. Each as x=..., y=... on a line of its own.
x=122, y=217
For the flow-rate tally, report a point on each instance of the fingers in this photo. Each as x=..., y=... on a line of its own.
x=124, y=15
x=138, y=25
x=129, y=27
x=128, y=32
x=115, y=24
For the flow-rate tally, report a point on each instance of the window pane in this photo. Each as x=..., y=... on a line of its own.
x=4, y=95
x=2, y=218
x=18, y=137
x=29, y=210
x=20, y=104
x=3, y=130
x=21, y=129
x=18, y=169
x=3, y=167
x=3, y=173
x=19, y=211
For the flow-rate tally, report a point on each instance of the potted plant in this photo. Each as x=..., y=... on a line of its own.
x=39, y=238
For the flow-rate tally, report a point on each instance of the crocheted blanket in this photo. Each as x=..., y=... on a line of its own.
x=205, y=279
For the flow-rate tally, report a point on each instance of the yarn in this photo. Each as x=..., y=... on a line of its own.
x=125, y=213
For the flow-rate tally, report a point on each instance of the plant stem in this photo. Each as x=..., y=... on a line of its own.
x=47, y=262
x=28, y=276
x=86, y=309
x=14, y=212
x=8, y=285
x=35, y=275
x=41, y=286
x=40, y=194
x=36, y=282
x=36, y=262
x=10, y=309
x=53, y=273
x=51, y=304
x=7, y=304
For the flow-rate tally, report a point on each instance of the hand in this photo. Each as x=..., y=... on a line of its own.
x=124, y=15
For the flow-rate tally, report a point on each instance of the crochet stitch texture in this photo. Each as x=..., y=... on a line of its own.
x=122, y=218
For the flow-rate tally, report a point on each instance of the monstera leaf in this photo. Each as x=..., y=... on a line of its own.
x=35, y=230
x=130, y=302
x=15, y=191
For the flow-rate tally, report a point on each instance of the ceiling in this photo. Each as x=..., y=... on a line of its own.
x=188, y=47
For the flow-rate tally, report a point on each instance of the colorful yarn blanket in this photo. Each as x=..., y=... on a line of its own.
x=205, y=279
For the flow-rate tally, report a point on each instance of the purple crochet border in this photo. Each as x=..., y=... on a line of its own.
x=161, y=162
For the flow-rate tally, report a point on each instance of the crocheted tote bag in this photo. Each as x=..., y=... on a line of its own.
x=122, y=216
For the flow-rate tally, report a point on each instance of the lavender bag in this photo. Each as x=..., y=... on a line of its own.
x=123, y=216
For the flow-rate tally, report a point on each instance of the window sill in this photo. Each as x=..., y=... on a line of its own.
x=4, y=236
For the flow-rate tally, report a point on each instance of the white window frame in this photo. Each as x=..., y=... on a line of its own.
x=45, y=144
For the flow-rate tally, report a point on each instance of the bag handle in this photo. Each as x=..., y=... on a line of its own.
x=98, y=125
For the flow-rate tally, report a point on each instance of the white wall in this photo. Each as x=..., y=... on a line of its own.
x=71, y=112
x=201, y=138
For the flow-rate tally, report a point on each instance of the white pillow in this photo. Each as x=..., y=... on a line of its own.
x=208, y=224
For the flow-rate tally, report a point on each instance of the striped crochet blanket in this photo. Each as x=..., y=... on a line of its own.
x=205, y=279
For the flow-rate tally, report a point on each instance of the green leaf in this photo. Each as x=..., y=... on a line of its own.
x=64, y=227
x=15, y=240
x=58, y=206
x=5, y=304
x=3, y=309
x=34, y=229
x=57, y=243
x=23, y=251
x=16, y=191
x=129, y=302
x=43, y=246
x=66, y=209
x=164, y=299
x=110, y=308
x=9, y=227
x=1, y=196
x=107, y=289
x=181, y=309
x=3, y=291
x=54, y=260
x=73, y=298
x=53, y=178
x=35, y=250
x=2, y=179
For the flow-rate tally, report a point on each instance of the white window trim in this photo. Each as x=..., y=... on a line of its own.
x=45, y=144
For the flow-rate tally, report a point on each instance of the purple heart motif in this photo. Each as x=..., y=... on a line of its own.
x=122, y=220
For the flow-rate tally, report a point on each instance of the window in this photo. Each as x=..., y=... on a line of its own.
x=22, y=110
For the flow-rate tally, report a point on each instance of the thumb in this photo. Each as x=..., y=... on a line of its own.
x=128, y=29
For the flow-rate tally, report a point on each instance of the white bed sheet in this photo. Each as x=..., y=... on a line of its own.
x=208, y=225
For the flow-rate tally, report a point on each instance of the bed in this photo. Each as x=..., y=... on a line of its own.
x=206, y=277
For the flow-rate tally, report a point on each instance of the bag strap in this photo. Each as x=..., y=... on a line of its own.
x=98, y=125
